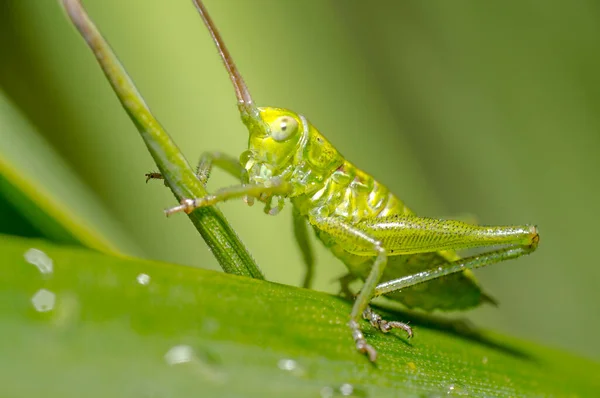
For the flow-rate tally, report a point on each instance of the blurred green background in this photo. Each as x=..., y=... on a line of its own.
x=488, y=108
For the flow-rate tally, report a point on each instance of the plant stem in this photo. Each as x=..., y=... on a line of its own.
x=179, y=176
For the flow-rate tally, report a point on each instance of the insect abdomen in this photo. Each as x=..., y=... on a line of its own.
x=354, y=195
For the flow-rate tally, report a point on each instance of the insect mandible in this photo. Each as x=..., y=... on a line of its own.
x=397, y=254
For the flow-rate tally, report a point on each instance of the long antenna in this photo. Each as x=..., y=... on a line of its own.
x=241, y=90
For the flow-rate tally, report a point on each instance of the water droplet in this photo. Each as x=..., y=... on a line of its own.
x=484, y=360
x=457, y=390
x=291, y=366
x=43, y=300
x=287, y=364
x=344, y=390
x=202, y=364
x=179, y=354
x=40, y=260
x=143, y=279
x=327, y=392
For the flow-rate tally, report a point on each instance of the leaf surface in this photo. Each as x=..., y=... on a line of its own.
x=102, y=326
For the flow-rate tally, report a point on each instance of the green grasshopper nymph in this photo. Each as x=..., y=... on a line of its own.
x=398, y=255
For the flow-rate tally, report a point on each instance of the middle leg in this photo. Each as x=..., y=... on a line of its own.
x=346, y=233
x=303, y=240
x=205, y=165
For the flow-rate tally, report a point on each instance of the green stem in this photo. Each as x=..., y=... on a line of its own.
x=179, y=176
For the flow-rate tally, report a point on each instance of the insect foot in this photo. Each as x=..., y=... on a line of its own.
x=383, y=325
x=153, y=176
x=187, y=205
x=361, y=343
x=535, y=238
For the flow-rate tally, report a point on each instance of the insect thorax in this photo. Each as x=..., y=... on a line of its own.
x=305, y=159
x=320, y=176
x=353, y=195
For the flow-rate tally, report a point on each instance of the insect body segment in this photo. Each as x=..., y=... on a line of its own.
x=290, y=149
x=407, y=258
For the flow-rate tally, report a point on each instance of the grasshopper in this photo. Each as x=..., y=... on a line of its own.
x=397, y=254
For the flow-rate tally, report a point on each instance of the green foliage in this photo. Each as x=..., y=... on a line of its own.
x=176, y=171
x=98, y=317
x=39, y=186
x=71, y=172
x=114, y=320
x=458, y=107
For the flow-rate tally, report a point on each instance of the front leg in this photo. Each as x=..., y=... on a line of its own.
x=228, y=163
x=274, y=188
x=225, y=162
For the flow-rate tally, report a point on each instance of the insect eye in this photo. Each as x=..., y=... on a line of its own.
x=283, y=128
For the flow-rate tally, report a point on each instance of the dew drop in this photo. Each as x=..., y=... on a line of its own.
x=292, y=366
x=457, y=390
x=143, y=279
x=179, y=354
x=287, y=364
x=43, y=300
x=201, y=363
x=40, y=259
x=327, y=392
x=484, y=360
x=344, y=390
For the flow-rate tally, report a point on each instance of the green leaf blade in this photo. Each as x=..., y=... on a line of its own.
x=117, y=330
x=42, y=188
